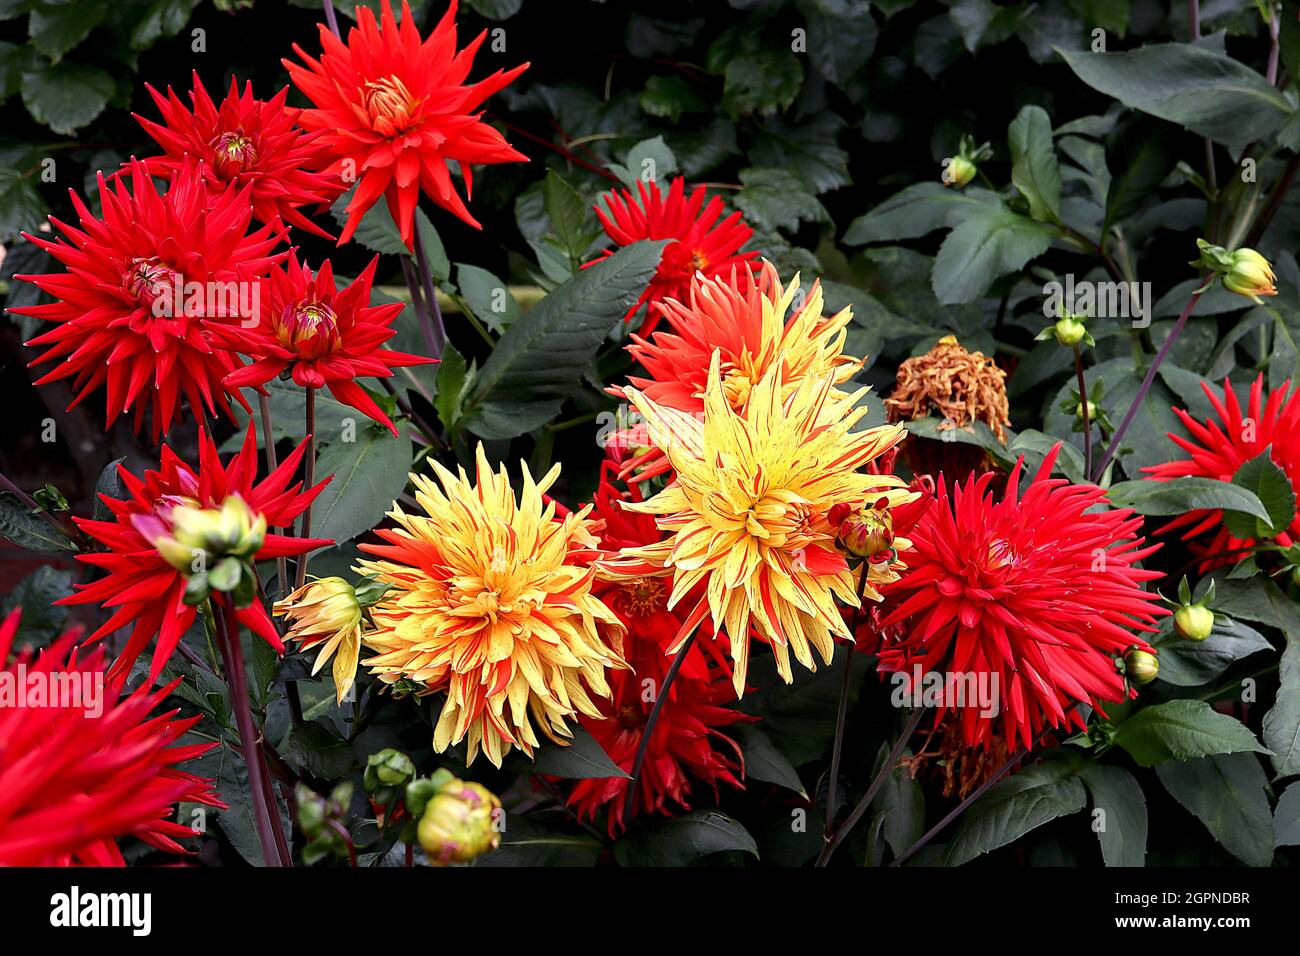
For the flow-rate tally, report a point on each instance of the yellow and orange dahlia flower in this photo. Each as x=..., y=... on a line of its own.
x=491, y=602
x=746, y=515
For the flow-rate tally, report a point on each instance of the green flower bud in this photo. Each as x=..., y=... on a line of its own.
x=1070, y=331
x=1193, y=622
x=959, y=171
x=1141, y=666
x=387, y=770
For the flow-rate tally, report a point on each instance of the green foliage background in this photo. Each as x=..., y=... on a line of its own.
x=825, y=122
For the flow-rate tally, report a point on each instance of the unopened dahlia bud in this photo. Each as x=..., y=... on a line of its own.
x=1251, y=275
x=232, y=530
x=211, y=547
x=385, y=772
x=868, y=532
x=1244, y=271
x=1193, y=622
x=1092, y=411
x=458, y=823
x=326, y=613
x=1069, y=331
x=959, y=171
x=1141, y=666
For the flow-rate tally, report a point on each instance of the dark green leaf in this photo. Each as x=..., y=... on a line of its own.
x=1195, y=663
x=1122, y=829
x=1036, y=795
x=917, y=210
x=26, y=530
x=581, y=759
x=680, y=841
x=990, y=242
x=1204, y=91
x=369, y=474
x=1227, y=793
x=540, y=360
x=67, y=96
x=1183, y=730
x=1261, y=476
x=763, y=761
x=57, y=28
x=1034, y=168
x=1185, y=494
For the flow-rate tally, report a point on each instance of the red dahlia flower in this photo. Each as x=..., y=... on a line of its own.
x=245, y=142
x=143, y=289
x=700, y=243
x=141, y=587
x=82, y=765
x=1037, y=593
x=1219, y=448
x=322, y=335
x=395, y=110
x=687, y=744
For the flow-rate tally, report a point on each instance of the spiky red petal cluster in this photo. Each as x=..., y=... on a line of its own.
x=700, y=243
x=75, y=778
x=120, y=322
x=141, y=588
x=687, y=744
x=1040, y=591
x=1219, y=448
x=323, y=336
x=245, y=142
x=395, y=110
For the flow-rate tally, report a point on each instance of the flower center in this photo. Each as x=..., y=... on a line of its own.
x=698, y=260
x=1001, y=554
x=631, y=717
x=389, y=104
x=152, y=284
x=309, y=327
x=780, y=523
x=234, y=152
x=643, y=596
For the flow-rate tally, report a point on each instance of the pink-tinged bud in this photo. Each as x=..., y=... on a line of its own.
x=459, y=823
x=310, y=329
x=868, y=532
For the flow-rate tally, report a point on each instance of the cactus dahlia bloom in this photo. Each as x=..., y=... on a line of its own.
x=491, y=601
x=688, y=744
x=1218, y=449
x=700, y=244
x=143, y=288
x=86, y=765
x=322, y=336
x=143, y=586
x=395, y=110
x=245, y=142
x=1036, y=596
x=746, y=515
x=743, y=315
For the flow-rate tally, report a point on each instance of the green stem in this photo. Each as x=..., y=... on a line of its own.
x=232, y=655
x=842, y=714
x=268, y=441
x=309, y=479
x=888, y=768
x=1083, y=402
